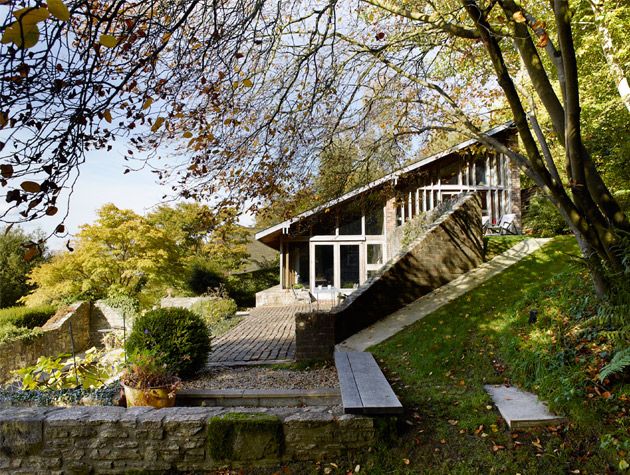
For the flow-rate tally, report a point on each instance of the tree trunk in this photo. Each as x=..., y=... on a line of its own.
x=609, y=53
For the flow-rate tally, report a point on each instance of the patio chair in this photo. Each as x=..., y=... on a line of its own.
x=300, y=297
x=507, y=225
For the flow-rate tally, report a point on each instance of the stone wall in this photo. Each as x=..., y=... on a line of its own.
x=182, y=302
x=54, y=340
x=452, y=246
x=104, y=319
x=118, y=440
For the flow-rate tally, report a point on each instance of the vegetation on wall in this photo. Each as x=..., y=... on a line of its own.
x=23, y=322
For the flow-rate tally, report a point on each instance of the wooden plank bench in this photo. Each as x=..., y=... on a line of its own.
x=364, y=389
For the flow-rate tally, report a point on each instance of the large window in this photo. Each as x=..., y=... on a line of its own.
x=480, y=172
x=374, y=221
x=374, y=253
x=324, y=265
x=350, y=223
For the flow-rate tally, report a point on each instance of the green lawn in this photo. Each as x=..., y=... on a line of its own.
x=439, y=366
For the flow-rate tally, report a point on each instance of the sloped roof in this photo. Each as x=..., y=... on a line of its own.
x=285, y=225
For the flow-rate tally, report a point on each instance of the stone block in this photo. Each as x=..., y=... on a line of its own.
x=239, y=437
x=22, y=433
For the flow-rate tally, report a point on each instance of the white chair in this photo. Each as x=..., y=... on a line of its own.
x=507, y=225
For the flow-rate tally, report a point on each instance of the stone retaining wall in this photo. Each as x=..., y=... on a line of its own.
x=452, y=246
x=118, y=440
x=54, y=340
x=182, y=302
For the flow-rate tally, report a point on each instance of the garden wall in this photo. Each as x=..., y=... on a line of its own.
x=118, y=440
x=55, y=339
x=452, y=246
x=104, y=319
x=182, y=302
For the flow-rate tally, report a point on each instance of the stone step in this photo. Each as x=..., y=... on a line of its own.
x=521, y=409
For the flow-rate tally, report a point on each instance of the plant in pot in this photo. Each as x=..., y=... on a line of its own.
x=148, y=381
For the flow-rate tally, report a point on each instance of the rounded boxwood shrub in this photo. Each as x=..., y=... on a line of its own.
x=178, y=335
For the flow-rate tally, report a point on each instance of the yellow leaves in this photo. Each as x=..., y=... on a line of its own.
x=22, y=35
x=59, y=10
x=543, y=40
x=147, y=103
x=108, y=41
x=107, y=115
x=31, y=16
x=30, y=186
x=248, y=83
x=519, y=17
x=157, y=124
x=188, y=134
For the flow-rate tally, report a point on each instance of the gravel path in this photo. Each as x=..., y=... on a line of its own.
x=264, y=378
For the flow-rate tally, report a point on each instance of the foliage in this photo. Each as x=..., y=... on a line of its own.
x=14, y=267
x=22, y=322
x=148, y=369
x=243, y=287
x=178, y=335
x=103, y=396
x=617, y=364
x=440, y=364
x=50, y=373
x=129, y=306
x=542, y=218
x=216, y=309
x=203, y=276
x=120, y=253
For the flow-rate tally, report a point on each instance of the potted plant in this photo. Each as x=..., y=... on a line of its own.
x=147, y=381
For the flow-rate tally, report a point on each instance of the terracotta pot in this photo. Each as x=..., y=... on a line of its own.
x=154, y=397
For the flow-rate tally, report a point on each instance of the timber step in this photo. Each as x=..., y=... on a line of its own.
x=364, y=389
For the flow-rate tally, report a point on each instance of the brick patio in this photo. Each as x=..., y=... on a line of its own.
x=267, y=335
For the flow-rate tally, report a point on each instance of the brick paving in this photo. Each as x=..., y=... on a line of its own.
x=267, y=335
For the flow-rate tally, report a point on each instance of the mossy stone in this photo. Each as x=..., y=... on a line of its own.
x=239, y=436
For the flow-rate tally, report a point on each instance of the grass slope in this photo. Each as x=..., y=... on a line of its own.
x=440, y=364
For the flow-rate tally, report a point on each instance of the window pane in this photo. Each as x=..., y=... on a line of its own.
x=449, y=174
x=326, y=226
x=349, y=268
x=350, y=223
x=324, y=265
x=374, y=254
x=374, y=221
x=480, y=172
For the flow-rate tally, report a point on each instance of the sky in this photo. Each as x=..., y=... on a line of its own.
x=102, y=181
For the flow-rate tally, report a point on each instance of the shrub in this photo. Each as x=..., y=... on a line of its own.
x=542, y=218
x=20, y=322
x=203, y=277
x=243, y=287
x=180, y=335
x=27, y=317
x=214, y=310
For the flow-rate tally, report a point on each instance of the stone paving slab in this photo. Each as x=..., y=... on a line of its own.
x=521, y=409
x=397, y=321
x=266, y=336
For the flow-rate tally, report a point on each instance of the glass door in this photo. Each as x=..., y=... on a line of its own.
x=349, y=266
x=324, y=265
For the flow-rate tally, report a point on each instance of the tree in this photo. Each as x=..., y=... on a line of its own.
x=120, y=253
x=257, y=90
x=14, y=267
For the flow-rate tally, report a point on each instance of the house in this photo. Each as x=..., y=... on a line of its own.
x=339, y=245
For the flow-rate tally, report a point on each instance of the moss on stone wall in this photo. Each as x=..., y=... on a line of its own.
x=245, y=436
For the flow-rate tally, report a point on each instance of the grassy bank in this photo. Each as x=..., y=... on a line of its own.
x=440, y=364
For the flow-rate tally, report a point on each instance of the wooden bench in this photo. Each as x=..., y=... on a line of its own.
x=364, y=389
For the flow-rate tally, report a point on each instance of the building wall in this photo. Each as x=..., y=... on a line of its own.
x=451, y=247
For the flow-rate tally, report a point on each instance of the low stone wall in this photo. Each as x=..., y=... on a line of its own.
x=118, y=440
x=182, y=302
x=104, y=319
x=54, y=340
x=452, y=246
